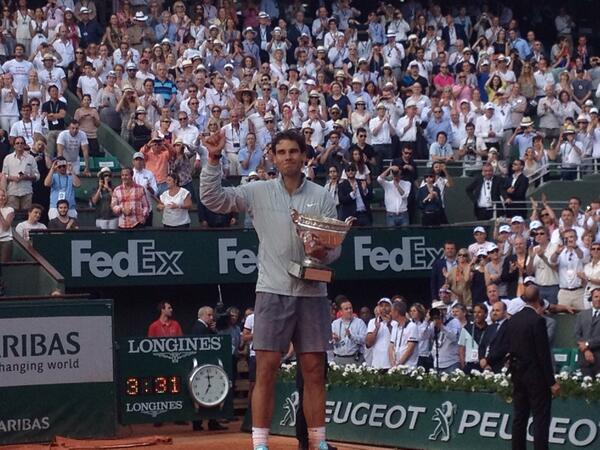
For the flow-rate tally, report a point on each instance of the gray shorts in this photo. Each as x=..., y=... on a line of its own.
x=281, y=319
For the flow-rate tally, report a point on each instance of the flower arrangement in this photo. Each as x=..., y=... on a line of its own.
x=573, y=385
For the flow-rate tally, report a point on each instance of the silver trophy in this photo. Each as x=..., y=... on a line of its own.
x=327, y=232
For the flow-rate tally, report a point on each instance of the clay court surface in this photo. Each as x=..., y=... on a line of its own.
x=176, y=437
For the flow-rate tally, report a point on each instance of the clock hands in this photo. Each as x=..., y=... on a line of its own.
x=208, y=377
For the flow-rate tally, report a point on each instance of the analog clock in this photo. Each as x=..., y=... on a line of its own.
x=209, y=385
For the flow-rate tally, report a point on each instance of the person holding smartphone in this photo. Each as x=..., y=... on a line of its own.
x=62, y=183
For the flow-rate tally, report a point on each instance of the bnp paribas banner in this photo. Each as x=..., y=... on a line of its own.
x=154, y=257
x=411, y=418
x=56, y=370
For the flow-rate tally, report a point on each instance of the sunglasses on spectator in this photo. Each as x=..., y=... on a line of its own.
x=268, y=121
x=595, y=249
x=308, y=132
x=544, y=215
x=362, y=135
x=538, y=233
x=463, y=254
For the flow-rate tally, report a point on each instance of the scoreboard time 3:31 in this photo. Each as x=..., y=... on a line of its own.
x=174, y=378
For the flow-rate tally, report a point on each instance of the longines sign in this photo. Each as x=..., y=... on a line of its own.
x=160, y=257
x=411, y=418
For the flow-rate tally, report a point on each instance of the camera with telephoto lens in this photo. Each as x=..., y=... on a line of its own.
x=436, y=314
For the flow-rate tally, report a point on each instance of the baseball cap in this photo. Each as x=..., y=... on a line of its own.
x=535, y=224
x=517, y=219
x=492, y=247
x=529, y=279
x=131, y=66
x=481, y=252
x=439, y=305
x=253, y=174
x=478, y=230
x=384, y=300
x=138, y=155
x=489, y=105
x=504, y=229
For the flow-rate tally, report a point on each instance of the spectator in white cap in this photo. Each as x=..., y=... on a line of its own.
x=539, y=264
x=493, y=269
x=90, y=30
x=444, y=331
x=489, y=127
x=518, y=228
x=379, y=334
x=502, y=234
x=393, y=51
x=381, y=136
x=481, y=242
x=407, y=125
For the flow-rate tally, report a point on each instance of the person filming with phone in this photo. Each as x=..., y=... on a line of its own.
x=62, y=183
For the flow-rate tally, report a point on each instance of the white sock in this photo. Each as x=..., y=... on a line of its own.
x=315, y=437
x=260, y=436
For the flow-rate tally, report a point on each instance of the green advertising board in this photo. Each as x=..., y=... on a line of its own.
x=153, y=377
x=411, y=418
x=167, y=257
x=56, y=370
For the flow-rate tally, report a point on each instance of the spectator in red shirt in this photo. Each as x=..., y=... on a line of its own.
x=164, y=326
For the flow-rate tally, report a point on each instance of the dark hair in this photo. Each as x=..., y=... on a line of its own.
x=35, y=206
x=161, y=305
x=450, y=243
x=289, y=135
x=482, y=306
x=339, y=299
x=74, y=122
x=174, y=176
x=127, y=168
x=62, y=202
x=400, y=308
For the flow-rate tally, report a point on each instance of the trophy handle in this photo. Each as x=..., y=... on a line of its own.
x=295, y=216
x=349, y=220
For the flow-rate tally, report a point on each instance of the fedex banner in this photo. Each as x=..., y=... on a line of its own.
x=154, y=257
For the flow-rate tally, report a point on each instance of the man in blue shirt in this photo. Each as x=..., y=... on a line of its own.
x=519, y=44
x=523, y=136
x=436, y=125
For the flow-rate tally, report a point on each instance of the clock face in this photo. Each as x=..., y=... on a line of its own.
x=209, y=385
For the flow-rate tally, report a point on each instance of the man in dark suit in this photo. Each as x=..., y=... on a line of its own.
x=483, y=191
x=532, y=373
x=494, y=345
x=515, y=189
x=355, y=198
x=587, y=333
x=263, y=35
x=452, y=32
x=441, y=267
x=205, y=325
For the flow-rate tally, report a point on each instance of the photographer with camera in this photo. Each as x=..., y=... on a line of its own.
x=62, y=183
x=472, y=149
x=101, y=199
x=444, y=331
x=396, y=193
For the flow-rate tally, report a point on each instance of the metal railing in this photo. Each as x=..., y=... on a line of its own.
x=501, y=205
x=588, y=166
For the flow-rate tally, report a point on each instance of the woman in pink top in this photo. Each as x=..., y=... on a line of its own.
x=461, y=90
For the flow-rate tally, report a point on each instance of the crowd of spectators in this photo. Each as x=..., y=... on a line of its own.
x=372, y=91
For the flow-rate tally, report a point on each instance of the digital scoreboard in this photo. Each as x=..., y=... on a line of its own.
x=158, y=378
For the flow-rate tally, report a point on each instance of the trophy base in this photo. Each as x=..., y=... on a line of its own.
x=311, y=273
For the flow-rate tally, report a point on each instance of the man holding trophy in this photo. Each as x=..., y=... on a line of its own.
x=298, y=234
